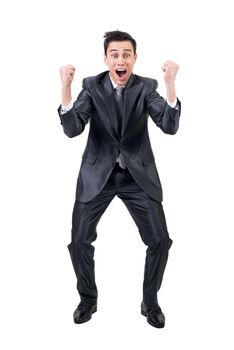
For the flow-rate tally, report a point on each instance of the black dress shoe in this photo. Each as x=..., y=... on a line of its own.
x=155, y=317
x=84, y=313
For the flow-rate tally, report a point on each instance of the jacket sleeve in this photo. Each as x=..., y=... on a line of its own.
x=164, y=116
x=74, y=121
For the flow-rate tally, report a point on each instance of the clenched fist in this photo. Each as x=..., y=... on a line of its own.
x=170, y=70
x=67, y=74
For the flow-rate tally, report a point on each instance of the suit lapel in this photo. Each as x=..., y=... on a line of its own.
x=109, y=99
x=132, y=91
x=131, y=94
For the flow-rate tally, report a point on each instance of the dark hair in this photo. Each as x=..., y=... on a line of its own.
x=117, y=35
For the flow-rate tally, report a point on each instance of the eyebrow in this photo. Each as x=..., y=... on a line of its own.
x=130, y=50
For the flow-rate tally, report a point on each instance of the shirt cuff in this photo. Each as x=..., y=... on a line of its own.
x=172, y=104
x=67, y=108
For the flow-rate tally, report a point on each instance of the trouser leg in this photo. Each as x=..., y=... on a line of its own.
x=149, y=217
x=84, y=222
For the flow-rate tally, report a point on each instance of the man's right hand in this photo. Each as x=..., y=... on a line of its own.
x=66, y=74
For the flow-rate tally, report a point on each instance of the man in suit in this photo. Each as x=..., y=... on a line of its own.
x=118, y=161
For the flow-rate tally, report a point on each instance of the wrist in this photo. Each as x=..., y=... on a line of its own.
x=66, y=87
x=171, y=92
x=170, y=84
x=66, y=96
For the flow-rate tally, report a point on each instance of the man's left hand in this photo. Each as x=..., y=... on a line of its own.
x=170, y=70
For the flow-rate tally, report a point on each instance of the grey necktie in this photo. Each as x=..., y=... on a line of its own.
x=120, y=107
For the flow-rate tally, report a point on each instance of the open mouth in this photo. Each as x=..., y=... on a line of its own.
x=121, y=72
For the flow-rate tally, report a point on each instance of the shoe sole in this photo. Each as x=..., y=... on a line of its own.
x=159, y=325
x=85, y=319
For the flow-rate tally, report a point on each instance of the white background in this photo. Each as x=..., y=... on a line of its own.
x=39, y=167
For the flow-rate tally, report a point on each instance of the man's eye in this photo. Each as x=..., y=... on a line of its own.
x=126, y=56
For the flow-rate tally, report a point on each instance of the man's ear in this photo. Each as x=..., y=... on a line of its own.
x=105, y=59
x=135, y=56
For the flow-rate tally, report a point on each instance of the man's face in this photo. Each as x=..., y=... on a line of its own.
x=120, y=59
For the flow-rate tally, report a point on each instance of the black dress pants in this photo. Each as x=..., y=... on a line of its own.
x=149, y=217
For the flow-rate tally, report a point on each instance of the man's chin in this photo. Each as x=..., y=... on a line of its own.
x=121, y=80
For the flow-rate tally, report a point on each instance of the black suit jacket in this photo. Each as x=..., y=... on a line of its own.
x=96, y=105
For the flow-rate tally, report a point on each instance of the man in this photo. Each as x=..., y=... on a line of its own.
x=118, y=161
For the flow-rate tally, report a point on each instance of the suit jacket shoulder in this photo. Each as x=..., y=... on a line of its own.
x=93, y=81
x=148, y=82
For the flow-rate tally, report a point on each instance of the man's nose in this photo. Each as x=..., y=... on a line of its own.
x=120, y=60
